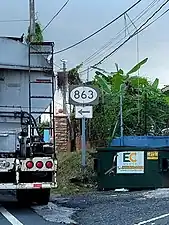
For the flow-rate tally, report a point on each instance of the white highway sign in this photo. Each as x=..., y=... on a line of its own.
x=83, y=112
x=83, y=95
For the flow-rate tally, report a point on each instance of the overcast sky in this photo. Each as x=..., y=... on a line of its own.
x=81, y=17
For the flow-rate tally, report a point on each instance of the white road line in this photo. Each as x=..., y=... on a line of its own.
x=10, y=217
x=153, y=219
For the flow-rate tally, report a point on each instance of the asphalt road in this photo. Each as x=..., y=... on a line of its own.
x=103, y=208
x=125, y=208
x=12, y=213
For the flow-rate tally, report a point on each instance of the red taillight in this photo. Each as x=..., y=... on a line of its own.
x=49, y=164
x=39, y=164
x=29, y=164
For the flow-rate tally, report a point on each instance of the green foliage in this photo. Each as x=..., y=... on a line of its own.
x=144, y=105
x=42, y=126
x=137, y=67
x=73, y=76
x=38, y=34
x=105, y=86
x=69, y=168
x=155, y=83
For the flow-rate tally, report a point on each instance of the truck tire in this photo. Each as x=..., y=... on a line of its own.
x=42, y=196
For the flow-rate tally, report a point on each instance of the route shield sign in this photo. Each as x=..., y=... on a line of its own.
x=83, y=95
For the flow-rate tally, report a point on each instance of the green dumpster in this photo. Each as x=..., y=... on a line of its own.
x=132, y=167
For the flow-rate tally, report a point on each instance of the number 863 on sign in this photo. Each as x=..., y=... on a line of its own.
x=86, y=95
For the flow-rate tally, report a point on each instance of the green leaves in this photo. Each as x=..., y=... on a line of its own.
x=155, y=83
x=137, y=67
x=117, y=80
x=166, y=99
x=38, y=34
x=103, y=84
x=139, y=98
x=138, y=81
x=117, y=67
x=112, y=82
x=74, y=76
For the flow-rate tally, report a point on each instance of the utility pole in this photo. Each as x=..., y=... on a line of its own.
x=121, y=113
x=32, y=19
x=122, y=89
x=88, y=69
x=64, y=86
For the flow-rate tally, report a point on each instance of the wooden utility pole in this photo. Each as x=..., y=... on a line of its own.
x=32, y=19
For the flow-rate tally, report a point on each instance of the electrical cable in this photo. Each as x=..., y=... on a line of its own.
x=60, y=10
x=13, y=21
x=103, y=50
x=57, y=65
x=99, y=30
x=154, y=20
x=138, y=72
x=96, y=53
x=140, y=29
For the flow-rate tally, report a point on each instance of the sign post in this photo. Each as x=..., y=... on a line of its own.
x=83, y=140
x=83, y=97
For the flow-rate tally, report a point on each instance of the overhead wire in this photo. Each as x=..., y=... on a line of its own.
x=99, y=30
x=126, y=30
x=109, y=43
x=167, y=10
x=56, y=14
x=140, y=29
x=57, y=65
x=138, y=72
x=131, y=36
x=104, y=49
x=14, y=20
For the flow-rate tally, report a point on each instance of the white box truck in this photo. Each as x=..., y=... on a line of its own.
x=28, y=164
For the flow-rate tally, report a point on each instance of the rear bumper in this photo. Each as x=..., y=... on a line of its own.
x=11, y=186
x=18, y=176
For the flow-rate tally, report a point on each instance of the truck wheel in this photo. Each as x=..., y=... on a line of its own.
x=23, y=197
x=42, y=196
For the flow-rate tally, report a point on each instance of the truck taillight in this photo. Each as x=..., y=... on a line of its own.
x=49, y=164
x=39, y=164
x=29, y=164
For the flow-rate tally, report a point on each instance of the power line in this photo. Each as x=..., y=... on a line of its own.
x=97, y=53
x=57, y=66
x=96, y=32
x=11, y=21
x=56, y=15
x=154, y=20
x=140, y=29
x=140, y=15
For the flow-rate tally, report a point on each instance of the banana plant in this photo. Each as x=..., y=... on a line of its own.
x=137, y=67
x=113, y=81
x=155, y=83
x=103, y=83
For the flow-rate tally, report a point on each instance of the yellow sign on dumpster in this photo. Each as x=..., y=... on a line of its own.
x=152, y=155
